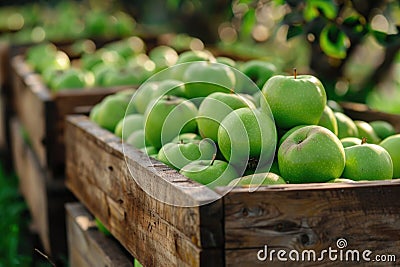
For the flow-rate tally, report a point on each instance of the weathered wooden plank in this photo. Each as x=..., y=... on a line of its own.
x=45, y=197
x=315, y=216
x=30, y=102
x=153, y=231
x=31, y=183
x=88, y=245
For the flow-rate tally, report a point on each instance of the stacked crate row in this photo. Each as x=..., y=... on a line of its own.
x=31, y=130
x=227, y=232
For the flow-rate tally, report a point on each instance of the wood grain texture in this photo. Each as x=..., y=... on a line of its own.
x=30, y=101
x=45, y=197
x=156, y=233
x=43, y=112
x=358, y=111
x=31, y=184
x=314, y=216
x=87, y=245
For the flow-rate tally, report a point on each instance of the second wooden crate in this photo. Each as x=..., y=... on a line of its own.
x=45, y=197
x=42, y=112
x=87, y=246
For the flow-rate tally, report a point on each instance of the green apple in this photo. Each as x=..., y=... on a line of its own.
x=163, y=56
x=112, y=110
x=137, y=139
x=247, y=135
x=186, y=137
x=122, y=76
x=286, y=135
x=127, y=93
x=177, y=155
x=83, y=46
x=328, y=120
x=69, y=79
x=169, y=87
x=214, y=108
x=311, y=154
x=151, y=90
x=258, y=71
x=100, y=71
x=262, y=167
x=143, y=96
x=150, y=151
x=89, y=61
x=350, y=141
x=392, y=146
x=204, y=78
x=267, y=178
x=123, y=24
x=167, y=117
x=128, y=47
x=94, y=112
x=195, y=55
x=211, y=173
x=226, y=60
x=383, y=129
x=96, y=22
x=101, y=56
x=128, y=125
x=341, y=180
x=40, y=56
x=367, y=162
x=346, y=126
x=60, y=61
x=275, y=167
x=295, y=100
x=250, y=98
x=334, y=106
x=366, y=130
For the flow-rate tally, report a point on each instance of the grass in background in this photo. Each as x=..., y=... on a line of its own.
x=12, y=222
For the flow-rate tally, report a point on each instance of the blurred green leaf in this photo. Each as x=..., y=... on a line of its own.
x=385, y=39
x=355, y=25
x=245, y=1
x=279, y=2
x=294, y=31
x=333, y=41
x=294, y=3
x=314, y=8
x=248, y=23
x=173, y=4
x=293, y=18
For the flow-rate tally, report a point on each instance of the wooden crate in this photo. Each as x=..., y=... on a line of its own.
x=42, y=112
x=87, y=246
x=231, y=230
x=359, y=111
x=45, y=197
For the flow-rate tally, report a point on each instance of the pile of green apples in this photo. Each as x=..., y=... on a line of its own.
x=65, y=20
x=123, y=62
x=220, y=126
x=319, y=143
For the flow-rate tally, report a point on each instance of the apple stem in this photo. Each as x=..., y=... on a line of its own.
x=213, y=159
x=363, y=140
x=181, y=141
x=232, y=91
x=168, y=97
x=295, y=73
